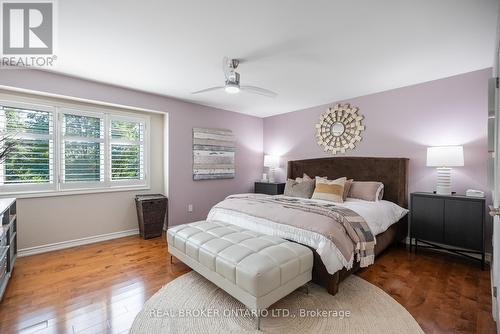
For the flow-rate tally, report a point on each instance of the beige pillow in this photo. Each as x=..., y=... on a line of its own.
x=347, y=187
x=367, y=190
x=329, y=190
x=302, y=189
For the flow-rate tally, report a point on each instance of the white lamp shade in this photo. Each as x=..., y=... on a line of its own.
x=271, y=161
x=445, y=156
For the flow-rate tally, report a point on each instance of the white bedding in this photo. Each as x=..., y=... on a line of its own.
x=378, y=215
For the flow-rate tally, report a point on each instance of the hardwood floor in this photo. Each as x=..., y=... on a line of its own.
x=90, y=289
x=444, y=293
x=101, y=287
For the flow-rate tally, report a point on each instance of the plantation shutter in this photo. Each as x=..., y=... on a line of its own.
x=82, y=149
x=31, y=161
x=127, y=150
x=71, y=148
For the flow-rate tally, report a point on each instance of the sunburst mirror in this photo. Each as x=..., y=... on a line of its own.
x=339, y=128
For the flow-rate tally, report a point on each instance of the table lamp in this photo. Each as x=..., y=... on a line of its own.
x=272, y=162
x=444, y=157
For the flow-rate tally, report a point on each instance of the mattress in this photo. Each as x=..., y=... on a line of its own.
x=378, y=215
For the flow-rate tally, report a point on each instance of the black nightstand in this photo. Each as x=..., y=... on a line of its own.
x=269, y=188
x=439, y=221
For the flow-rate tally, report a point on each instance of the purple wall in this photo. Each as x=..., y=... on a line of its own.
x=399, y=123
x=204, y=194
x=182, y=118
x=402, y=123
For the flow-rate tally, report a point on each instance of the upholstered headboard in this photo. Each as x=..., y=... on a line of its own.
x=392, y=172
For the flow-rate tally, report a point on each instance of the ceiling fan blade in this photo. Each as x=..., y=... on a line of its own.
x=258, y=90
x=208, y=90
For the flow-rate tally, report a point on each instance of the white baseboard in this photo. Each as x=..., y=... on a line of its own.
x=76, y=242
x=487, y=256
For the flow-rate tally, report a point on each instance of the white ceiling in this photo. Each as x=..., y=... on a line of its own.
x=310, y=52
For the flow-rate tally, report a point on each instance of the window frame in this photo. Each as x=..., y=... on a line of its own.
x=80, y=184
x=27, y=187
x=58, y=187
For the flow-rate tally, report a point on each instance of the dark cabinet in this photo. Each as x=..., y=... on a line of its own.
x=269, y=188
x=442, y=221
x=427, y=218
x=463, y=224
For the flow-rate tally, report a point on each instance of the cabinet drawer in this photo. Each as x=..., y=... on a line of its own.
x=427, y=221
x=463, y=224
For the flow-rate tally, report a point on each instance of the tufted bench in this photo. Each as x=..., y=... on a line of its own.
x=255, y=268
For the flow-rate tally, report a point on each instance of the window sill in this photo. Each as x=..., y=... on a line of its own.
x=52, y=193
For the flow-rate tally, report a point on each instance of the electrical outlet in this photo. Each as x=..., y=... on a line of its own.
x=190, y=207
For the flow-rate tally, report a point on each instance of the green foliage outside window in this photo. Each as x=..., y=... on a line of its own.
x=125, y=158
x=28, y=160
x=31, y=159
x=82, y=159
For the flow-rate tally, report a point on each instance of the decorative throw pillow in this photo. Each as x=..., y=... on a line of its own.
x=329, y=190
x=304, y=177
x=347, y=187
x=367, y=190
x=302, y=189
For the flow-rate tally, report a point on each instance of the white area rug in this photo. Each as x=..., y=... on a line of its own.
x=192, y=304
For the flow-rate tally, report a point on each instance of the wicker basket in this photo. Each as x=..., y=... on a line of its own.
x=151, y=214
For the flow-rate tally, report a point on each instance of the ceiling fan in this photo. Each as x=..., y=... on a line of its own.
x=232, y=85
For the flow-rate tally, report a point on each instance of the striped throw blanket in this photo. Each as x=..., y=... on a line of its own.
x=347, y=230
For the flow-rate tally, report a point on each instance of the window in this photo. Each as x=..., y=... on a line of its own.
x=70, y=149
x=127, y=150
x=31, y=162
x=82, y=149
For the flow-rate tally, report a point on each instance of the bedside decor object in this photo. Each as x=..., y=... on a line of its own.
x=474, y=193
x=8, y=241
x=452, y=223
x=272, y=162
x=264, y=178
x=151, y=214
x=213, y=154
x=269, y=188
x=339, y=128
x=444, y=157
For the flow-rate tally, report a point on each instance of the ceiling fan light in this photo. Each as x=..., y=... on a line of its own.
x=232, y=89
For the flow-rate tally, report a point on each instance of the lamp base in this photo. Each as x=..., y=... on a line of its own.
x=271, y=175
x=443, y=185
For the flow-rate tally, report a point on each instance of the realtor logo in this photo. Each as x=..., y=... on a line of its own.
x=28, y=28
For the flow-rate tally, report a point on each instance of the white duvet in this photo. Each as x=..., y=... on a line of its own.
x=378, y=215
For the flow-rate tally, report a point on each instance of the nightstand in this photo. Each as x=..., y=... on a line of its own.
x=451, y=223
x=269, y=188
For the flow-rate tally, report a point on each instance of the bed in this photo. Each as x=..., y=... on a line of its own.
x=328, y=270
